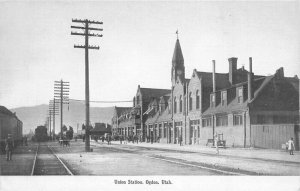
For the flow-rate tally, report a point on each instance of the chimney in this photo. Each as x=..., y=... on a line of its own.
x=250, y=81
x=232, y=69
x=279, y=73
x=214, y=75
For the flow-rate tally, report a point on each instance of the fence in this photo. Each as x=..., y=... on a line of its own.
x=273, y=136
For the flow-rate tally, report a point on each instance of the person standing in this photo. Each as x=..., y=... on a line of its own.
x=291, y=146
x=180, y=140
x=121, y=139
x=9, y=145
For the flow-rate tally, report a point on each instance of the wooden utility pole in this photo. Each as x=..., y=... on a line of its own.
x=87, y=34
x=61, y=91
x=53, y=110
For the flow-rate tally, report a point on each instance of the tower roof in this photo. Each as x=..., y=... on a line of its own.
x=177, y=55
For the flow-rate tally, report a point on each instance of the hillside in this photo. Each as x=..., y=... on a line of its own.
x=36, y=115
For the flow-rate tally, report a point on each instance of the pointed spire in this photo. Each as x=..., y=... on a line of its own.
x=177, y=55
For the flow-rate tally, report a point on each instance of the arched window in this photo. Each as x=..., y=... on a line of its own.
x=180, y=104
x=175, y=105
x=190, y=101
x=197, y=100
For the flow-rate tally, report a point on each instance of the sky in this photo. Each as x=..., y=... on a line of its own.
x=138, y=41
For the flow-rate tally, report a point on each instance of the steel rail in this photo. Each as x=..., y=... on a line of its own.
x=33, y=166
x=68, y=170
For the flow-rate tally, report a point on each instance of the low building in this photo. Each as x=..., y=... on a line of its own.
x=10, y=124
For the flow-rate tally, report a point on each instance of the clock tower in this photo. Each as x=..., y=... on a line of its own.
x=178, y=70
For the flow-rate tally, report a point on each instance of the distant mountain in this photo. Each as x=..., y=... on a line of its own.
x=74, y=116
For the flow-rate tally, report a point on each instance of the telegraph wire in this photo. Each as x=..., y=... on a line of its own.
x=100, y=101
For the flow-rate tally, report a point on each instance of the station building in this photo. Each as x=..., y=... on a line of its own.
x=243, y=109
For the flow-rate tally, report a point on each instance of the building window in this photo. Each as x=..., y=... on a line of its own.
x=165, y=129
x=212, y=100
x=180, y=104
x=175, y=105
x=206, y=122
x=224, y=98
x=240, y=95
x=190, y=101
x=160, y=130
x=197, y=100
x=178, y=124
x=237, y=120
x=222, y=120
x=137, y=100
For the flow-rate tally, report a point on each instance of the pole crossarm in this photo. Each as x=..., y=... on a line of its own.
x=89, y=28
x=84, y=34
x=86, y=21
x=89, y=47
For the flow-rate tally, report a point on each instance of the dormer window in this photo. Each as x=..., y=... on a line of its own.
x=240, y=95
x=224, y=98
x=212, y=100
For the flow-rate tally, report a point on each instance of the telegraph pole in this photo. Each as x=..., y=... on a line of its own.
x=49, y=124
x=53, y=110
x=87, y=34
x=61, y=91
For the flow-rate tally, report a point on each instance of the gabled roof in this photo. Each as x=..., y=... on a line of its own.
x=4, y=110
x=258, y=91
x=222, y=80
x=120, y=110
x=152, y=118
x=165, y=98
x=177, y=55
x=154, y=93
x=164, y=116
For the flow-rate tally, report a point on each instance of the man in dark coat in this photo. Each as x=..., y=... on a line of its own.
x=9, y=145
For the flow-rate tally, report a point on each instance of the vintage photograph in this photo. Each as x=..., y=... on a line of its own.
x=120, y=89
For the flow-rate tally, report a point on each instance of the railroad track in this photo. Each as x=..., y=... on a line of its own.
x=46, y=162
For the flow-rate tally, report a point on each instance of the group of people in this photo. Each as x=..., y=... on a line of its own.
x=128, y=139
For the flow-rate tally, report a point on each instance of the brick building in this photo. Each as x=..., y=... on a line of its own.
x=244, y=109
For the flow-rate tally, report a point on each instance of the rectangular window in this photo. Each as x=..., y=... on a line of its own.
x=212, y=100
x=237, y=120
x=165, y=129
x=240, y=95
x=224, y=98
x=222, y=120
x=178, y=124
x=197, y=101
x=160, y=130
x=206, y=122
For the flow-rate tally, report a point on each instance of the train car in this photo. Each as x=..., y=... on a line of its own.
x=10, y=124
